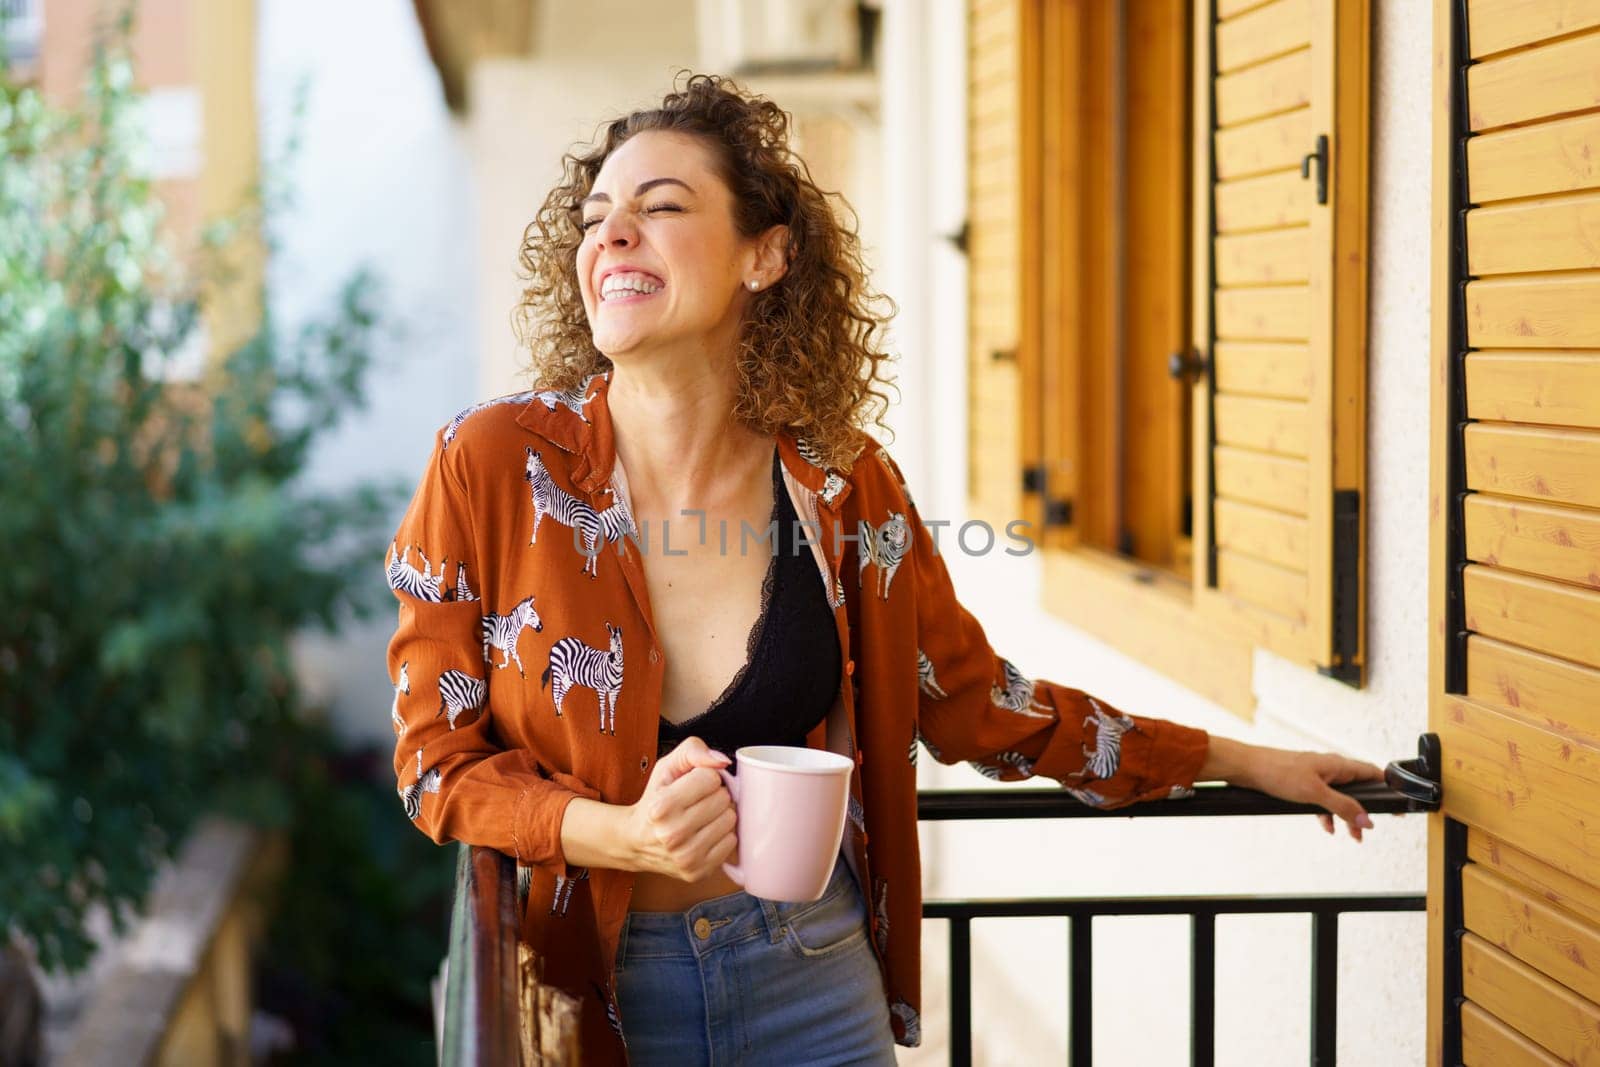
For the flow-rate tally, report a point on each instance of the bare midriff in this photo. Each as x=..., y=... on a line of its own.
x=657, y=892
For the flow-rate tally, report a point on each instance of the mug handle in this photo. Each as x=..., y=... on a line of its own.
x=732, y=782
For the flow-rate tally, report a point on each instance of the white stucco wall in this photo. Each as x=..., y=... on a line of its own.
x=1141, y=964
x=381, y=180
x=527, y=112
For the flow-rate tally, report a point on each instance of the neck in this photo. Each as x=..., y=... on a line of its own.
x=675, y=432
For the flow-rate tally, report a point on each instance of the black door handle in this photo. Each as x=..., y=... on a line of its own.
x=1418, y=780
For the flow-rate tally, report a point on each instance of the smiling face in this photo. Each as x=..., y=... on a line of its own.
x=662, y=264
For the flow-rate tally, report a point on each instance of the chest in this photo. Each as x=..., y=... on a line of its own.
x=705, y=585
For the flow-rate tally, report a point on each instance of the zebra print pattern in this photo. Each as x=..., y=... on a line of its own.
x=1106, y=756
x=1087, y=796
x=573, y=399
x=595, y=528
x=1180, y=792
x=611, y=1012
x=911, y=753
x=886, y=547
x=459, y=692
x=833, y=484
x=857, y=814
x=463, y=592
x=401, y=688
x=932, y=750
x=880, y=911
x=574, y=663
x=925, y=679
x=503, y=631
x=909, y=1021
x=1017, y=693
x=422, y=585
x=411, y=795
x=995, y=771
x=467, y=413
x=563, y=892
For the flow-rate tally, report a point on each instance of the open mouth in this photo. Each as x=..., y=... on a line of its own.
x=629, y=287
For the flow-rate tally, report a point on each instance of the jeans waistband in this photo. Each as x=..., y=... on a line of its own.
x=721, y=921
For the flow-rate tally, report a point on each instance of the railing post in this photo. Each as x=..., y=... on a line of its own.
x=960, y=992
x=1080, y=1014
x=1202, y=989
x=1324, y=987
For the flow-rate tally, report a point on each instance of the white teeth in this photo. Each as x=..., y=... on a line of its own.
x=628, y=283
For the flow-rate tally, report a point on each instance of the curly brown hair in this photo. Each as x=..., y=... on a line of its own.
x=808, y=358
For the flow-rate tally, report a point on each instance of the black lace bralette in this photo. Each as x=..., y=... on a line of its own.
x=791, y=673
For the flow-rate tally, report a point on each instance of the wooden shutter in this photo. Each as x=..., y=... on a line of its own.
x=996, y=262
x=1280, y=316
x=1515, y=539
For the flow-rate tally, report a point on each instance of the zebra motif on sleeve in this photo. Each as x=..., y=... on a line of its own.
x=563, y=891
x=424, y=585
x=411, y=795
x=856, y=813
x=501, y=632
x=573, y=663
x=459, y=692
x=911, y=753
x=1015, y=760
x=932, y=750
x=401, y=688
x=467, y=413
x=925, y=679
x=463, y=592
x=909, y=1021
x=1106, y=756
x=1017, y=695
x=886, y=547
x=1086, y=796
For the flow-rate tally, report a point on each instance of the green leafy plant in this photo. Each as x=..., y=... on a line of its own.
x=159, y=551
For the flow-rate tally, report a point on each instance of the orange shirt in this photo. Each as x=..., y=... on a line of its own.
x=526, y=673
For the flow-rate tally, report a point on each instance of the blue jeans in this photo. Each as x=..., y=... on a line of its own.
x=737, y=979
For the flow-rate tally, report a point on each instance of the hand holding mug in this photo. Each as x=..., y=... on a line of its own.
x=683, y=825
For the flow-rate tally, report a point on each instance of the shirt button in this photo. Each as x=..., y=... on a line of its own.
x=655, y=655
x=702, y=928
x=850, y=666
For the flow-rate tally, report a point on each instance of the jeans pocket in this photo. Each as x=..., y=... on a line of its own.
x=833, y=924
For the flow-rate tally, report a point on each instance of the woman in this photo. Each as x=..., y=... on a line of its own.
x=704, y=351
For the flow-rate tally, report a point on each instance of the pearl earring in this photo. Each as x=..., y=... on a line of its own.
x=754, y=285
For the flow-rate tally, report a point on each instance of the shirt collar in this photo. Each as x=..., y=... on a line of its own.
x=579, y=422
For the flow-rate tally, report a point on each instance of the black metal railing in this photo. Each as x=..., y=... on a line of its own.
x=482, y=1001
x=1410, y=786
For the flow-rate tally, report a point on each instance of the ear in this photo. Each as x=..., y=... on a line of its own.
x=771, y=260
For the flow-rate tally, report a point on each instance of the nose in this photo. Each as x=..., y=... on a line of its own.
x=614, y=231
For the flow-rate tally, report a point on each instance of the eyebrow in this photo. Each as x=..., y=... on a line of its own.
x=643, y=187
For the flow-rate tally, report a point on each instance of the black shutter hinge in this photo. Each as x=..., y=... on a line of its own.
x=1320, y=157
x=1346, y=587
x=1057, y=510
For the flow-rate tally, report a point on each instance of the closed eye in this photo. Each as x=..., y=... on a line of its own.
x=588, y=223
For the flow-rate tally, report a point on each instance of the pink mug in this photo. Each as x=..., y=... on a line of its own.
x=791, y=805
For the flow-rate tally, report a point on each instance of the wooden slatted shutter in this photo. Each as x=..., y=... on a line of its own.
x=1280, y=318
x=1515, y=542
x=997, y=268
